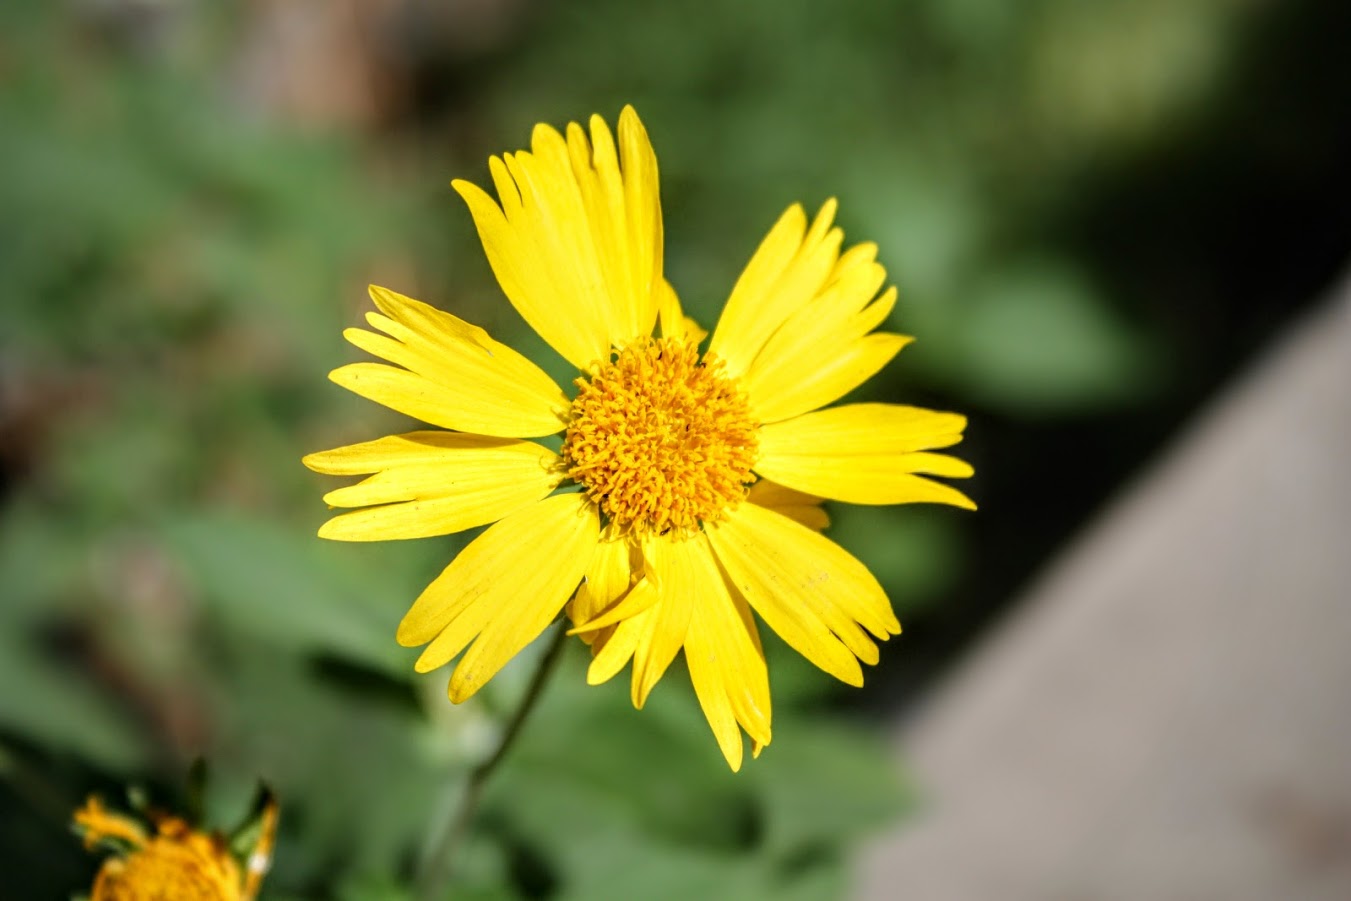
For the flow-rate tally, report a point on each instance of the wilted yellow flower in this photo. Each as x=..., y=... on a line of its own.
x=668, y=540
x=176, y=863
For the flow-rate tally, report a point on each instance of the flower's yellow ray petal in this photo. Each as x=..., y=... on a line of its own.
x=787, y=271
x=807, y=341
x=726, y=662
x=860, y=254
x=642, y=596
x=796, y=505
x=605, y=581
x=674, y=323
x=453, y=378
x=602, y=195
x=420, y=465
x=871, y=480
x=433, y=483
x=444, y=338
x=617, y=650
x=864, y=430
x=642, y=202
x=866, y=454
x=771, y=494
x=813, y=517
x=711, y=691
x=844, y=310
x=504, y=588
x=522, y=618
x=577, y=241
x=575, y=331
x=597, y=640
x=673, y=563
x=805, y=587
x=411, y=449
x=505, y=186
x=824, y=350
x=560, y=224
x=669, y=314
x=781, y=394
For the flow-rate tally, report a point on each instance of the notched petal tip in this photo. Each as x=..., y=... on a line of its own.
x=478, y=200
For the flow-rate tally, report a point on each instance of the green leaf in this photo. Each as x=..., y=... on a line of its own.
x=51, y=701
x=295, y=590
x=825, y=785
x=1037, y=338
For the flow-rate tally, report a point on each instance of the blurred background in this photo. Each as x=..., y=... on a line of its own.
x=1095, y=213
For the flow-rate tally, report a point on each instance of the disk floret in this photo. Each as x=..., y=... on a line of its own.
x=660, y=439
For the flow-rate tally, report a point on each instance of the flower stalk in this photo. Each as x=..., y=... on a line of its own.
x=438, y=863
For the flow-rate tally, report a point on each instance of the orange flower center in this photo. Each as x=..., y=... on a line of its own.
x=176, y=865
x=661, y=440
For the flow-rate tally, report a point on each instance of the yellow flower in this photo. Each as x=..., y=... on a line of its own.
x=669, y=541
x=177, y=863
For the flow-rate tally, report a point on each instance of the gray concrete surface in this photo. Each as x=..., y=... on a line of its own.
x=1167, y=713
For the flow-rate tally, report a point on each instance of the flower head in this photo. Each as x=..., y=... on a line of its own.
x=688, y=487
x=174, y=862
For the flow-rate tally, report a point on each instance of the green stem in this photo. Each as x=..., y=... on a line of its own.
x=437, y=864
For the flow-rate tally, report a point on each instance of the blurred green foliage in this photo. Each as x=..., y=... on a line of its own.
x=179, y=262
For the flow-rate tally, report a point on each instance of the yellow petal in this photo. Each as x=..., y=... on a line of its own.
x=710, y=689
x=570, y=324
x=779, y=394
x=577, y=242
x=503, y=589
x=616, y=651
x=823, y=350
x=453, y=374
x=642, y=201
x=674, y=565
x=790, y=267
x=606, y=580
x=866, y=454
x=445, y=339
x=642, y=596
x=805, y=587
x=726, y=662
x=796, y=328
x=674, y=323
x=433, y=483
x=796, y=505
